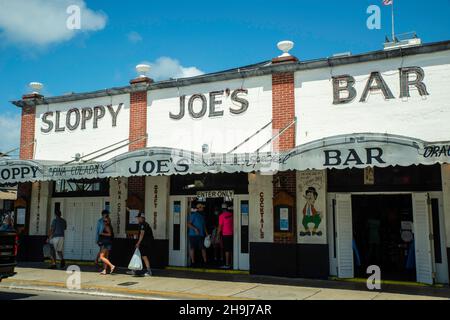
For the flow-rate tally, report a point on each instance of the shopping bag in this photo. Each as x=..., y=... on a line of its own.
x=47, y=250
x=207, y=242
x=136, y=261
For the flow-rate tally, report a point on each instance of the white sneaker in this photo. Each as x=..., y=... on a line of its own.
x=148, y=274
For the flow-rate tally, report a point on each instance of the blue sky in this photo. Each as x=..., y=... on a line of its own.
x=180, y=38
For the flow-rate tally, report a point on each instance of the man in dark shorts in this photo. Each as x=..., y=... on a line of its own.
x=145, y=242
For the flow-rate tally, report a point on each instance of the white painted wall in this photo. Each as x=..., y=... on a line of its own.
x=426, y=118
x=156, y=204
x=260, y=189
x=39, y=208
x=64, y=145
x=220, y=133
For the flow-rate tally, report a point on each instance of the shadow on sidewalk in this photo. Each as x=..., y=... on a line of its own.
x=407, y=289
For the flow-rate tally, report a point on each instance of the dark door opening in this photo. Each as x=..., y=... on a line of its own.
x=383, y=235
x=215, y=253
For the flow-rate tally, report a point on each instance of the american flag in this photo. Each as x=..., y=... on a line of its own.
x=388, y=2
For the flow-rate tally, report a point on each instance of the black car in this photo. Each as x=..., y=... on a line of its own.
x=8, y=252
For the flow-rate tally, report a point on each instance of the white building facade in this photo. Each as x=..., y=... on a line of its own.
x=331, y=165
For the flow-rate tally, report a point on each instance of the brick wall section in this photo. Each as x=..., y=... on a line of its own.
x=283, y=113
x=27, y=128
x=27, y=132
x=288, y=182
x=138, y=130
x=283, y=109
x=138, y=119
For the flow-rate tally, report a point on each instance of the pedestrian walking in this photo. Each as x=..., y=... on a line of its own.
x=145, y=242
x=98, y=231
x=197, y=232
x=226, y=230
x=56, y=239
x=106, y=239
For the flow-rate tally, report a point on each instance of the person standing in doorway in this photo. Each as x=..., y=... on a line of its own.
x=8, y=224
x=197, y=232
x=106, y=238
x=99, y=230
x=226, y=230
x=217, y=240
x=56, y=239
x=145, y=242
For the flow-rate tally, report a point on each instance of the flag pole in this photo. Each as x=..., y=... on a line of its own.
x=393, y=22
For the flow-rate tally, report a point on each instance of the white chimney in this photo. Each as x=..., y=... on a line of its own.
x=285, y=46
x=142, y=70
x=36, y=87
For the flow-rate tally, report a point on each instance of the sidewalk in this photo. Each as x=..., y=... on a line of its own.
x=174, y=284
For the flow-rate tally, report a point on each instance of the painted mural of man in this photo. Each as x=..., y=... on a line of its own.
x=310, y=214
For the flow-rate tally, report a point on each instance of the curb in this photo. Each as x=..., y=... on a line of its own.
x=80, y=292
x=95, y=289
x=389, y=282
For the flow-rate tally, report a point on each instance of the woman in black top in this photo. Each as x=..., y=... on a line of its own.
x=105, y=239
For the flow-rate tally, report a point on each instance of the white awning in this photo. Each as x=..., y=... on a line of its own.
x=340, y=152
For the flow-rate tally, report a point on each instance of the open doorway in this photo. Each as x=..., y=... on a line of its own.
x=383, y=235
x=216, y=253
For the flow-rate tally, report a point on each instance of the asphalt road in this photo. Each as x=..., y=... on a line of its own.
x=15, y=294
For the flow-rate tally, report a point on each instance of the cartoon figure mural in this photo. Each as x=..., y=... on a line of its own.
x=310, y=214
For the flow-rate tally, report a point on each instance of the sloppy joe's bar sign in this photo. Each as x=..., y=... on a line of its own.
x=340, y=152
x=76, y=118
x=199, y=104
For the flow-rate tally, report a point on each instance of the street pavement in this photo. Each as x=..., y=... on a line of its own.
x=27, y=294
x=169, y=284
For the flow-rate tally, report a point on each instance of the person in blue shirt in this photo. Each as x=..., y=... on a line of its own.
x=98, y=231
x=197, y=232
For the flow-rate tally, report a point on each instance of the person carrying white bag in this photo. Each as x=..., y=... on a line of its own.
x=143, y=247
x=136, y=261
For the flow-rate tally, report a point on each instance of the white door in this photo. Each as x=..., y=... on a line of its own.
x=332, y=234
x=422, y=238
x=241, y=232
x=438, y=231
x=91, y=213
x=177, y=231
x=74, y=234
x=344, y=238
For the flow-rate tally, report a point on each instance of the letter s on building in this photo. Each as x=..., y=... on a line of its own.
x=49, y=123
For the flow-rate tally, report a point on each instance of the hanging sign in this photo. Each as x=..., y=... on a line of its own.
x=216, y=194
x=340, y=152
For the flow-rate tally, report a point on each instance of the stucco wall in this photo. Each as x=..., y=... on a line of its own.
x=64, y=145
x=221, y=133
x=426, y=117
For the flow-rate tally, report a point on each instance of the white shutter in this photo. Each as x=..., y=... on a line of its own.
x=73, y=234
x=344, y=229
x=424, y=267
x=91, y=213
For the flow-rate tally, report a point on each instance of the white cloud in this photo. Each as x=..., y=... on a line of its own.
x=134, y=37
x=9, y=132
x=43, y=22
x=165, y=68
